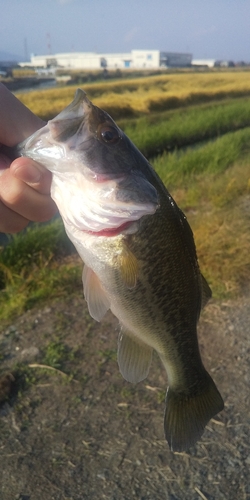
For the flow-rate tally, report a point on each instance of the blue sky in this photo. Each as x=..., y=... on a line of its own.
x=217, y=29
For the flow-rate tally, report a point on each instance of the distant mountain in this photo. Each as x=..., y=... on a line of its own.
x=7, y=56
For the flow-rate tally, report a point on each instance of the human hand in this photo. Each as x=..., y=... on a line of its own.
x=24, y=183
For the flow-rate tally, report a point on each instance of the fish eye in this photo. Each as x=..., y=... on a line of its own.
x=108, y=134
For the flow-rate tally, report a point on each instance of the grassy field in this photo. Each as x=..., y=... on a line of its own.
x=210, y=180
x=186, y=126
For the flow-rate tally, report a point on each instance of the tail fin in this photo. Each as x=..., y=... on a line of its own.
x=187, y=414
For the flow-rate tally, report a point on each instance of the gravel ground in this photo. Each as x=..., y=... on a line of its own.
x=91, y=435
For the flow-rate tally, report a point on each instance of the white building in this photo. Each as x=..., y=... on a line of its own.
x=212, y=63
x=136, y=59
x=209, y=63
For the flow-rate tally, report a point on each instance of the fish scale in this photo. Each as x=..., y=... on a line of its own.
x=139, y=253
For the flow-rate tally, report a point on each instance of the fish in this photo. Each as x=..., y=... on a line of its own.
x=139, y=257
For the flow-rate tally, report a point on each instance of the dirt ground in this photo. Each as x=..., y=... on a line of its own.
x=92, y=435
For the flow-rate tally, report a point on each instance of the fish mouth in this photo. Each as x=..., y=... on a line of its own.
x=126, y=227
x=106, y=206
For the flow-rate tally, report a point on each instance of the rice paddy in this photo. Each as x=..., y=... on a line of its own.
x=135, y=97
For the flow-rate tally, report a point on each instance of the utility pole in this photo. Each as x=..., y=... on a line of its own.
x=48, y=43
x=26, y=56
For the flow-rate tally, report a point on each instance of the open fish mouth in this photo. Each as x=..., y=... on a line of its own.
x=126, y=228
x=104, y=206
x=107, y=220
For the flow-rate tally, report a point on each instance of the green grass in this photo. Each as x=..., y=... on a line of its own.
x=212, y=158
x=22, y=294
x=35, y=247
x=186, y=126
x=36, y=265
x=56, y=353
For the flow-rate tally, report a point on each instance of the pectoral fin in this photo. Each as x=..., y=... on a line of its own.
x=134, y=358
x=128, y=265
x=94, y=294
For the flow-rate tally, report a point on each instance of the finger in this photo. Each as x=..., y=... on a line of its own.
x=32, y=173
x=4, y=162
x=11, y=222
x=17, y=122
x=24, y=200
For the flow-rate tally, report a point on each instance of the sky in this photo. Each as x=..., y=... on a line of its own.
x=215, y=29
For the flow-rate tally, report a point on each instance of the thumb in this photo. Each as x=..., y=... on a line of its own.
x=32, y=173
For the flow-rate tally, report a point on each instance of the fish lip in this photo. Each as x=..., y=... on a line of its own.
x=100, y=178
x=111, y=232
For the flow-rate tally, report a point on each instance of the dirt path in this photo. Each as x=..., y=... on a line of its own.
x=95, y=436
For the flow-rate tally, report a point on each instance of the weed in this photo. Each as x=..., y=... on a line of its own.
x=76, y=400
x=127, y=392
x=55, y=355
x=161, y=396
x=24, y=377
x=108, y=354
x=63, y=321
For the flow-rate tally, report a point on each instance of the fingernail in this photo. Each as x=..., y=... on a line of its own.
x=28, y=173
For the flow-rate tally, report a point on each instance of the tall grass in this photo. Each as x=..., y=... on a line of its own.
x=212, y=158
x=176, y=129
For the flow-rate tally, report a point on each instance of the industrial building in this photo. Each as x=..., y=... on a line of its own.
x=211, y=63
x=136, y=59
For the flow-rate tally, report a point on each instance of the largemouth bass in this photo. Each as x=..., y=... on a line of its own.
x=139, y=254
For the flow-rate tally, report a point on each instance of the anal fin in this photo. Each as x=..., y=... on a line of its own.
x=134, y=358
x=94, y=294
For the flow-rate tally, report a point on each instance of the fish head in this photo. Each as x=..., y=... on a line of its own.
x=100, y=182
